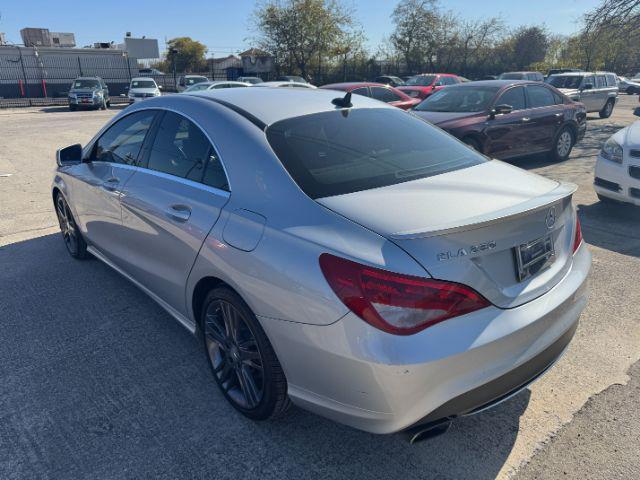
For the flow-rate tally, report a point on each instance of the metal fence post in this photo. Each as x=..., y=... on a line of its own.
x=80, y=65
x=24, y=73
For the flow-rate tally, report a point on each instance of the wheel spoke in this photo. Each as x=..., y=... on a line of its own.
x=248, y=386
x=230, y=321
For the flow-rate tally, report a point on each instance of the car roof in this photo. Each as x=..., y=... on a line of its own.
x=353, y=85
x=523, y=71
x=284, y=83
x=142, y=78
x=270, y=105
x=494, y=83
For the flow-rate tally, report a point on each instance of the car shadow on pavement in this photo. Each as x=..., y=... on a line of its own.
x=613, y=226
x=99, y=382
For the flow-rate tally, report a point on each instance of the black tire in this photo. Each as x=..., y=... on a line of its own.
x=473, y=143
x=103, y=106
x=563, y=144
x=108, y=103
x=73, y=108
x=76, y=246
x=607, y=110
x=245, y=361
x=607, y=200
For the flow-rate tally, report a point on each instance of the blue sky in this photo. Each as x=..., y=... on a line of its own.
x=224, y=25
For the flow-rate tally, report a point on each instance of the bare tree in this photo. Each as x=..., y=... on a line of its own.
x=415, y=35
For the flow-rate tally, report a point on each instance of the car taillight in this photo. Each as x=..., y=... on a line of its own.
x=577, y=236
x=396, y=303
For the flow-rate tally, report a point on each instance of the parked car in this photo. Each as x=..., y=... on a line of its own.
x=215, y=85
x=533, y=76
x=142, y=88
x=291, y=78
x=285, y=84
x=344, y=256
x=507, y=118
x=596, y=90
x=421, y=86
x=185, y=81
x=378, y=91
x=390, y=80
x=251, y=80
x=630, y=86
x=556, y=71
x=150, y=71
x=88, y=92
x=617, y=174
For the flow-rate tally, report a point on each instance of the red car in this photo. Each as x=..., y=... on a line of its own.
x=423, y=85
x=379, y=91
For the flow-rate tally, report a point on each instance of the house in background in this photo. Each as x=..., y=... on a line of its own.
x=227, y=68
x=256, y=62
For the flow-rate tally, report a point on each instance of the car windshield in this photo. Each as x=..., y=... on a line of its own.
x=194, y=80
x=86, y=84
x=345, y=151
x=459, y=99
x=143, y=84
x=420, y=80
x=511, y=76
x=198, y=86
x=565, y=81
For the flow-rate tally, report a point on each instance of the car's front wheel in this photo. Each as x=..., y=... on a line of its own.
x=563, y=144
x=607, y=110
x=76, y=246
x=243, y=361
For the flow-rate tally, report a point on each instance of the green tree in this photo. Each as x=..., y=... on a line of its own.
x=530, y=45
x=188, y=54
x=415, y=34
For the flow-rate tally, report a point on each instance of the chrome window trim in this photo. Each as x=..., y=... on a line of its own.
x=90, y=145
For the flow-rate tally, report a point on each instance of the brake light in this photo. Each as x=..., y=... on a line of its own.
x=577, y=238
x=396, y=303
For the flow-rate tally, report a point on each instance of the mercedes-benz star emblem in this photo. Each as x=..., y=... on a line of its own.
x=550, y=220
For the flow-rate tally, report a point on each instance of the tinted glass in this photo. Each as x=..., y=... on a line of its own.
x=589, y=81
x=343, y=151
x=361, y=91
x=384, y=94
x=511, y=76
x=514, y=97
x=601, y=81
x=86, y=84
x=421, y=80
x=180, y=148
x=214, y=175
x=123, y=141
x=459, y=99
x=540, y=96
x=194, y=80
x=565, y=81
x=143, y=84
x=611, y=80
x=447, y=80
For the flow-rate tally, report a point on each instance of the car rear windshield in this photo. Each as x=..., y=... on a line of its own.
x=565, y=81
x=459, y=99
x=86, y=84
x=345, y=151
x=420, y=80
x=143, y=84
x=194, y=80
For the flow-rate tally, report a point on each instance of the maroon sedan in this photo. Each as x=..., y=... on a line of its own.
x=379, y=91
x=421, y=86
x=508, y=118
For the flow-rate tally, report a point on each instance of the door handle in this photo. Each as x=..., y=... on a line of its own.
x=525, y=119
x=180, y=213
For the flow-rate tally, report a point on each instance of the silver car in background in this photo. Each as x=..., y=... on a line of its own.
x=598, y=91
x=335, y=252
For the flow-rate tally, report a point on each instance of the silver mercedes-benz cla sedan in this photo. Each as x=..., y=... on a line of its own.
x=334, y=252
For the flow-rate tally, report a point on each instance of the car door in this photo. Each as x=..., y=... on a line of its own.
x=109, y=164
x=507, y=133
x=589, y=96
x=545, y=117
x=602, y=90
x=170, y=205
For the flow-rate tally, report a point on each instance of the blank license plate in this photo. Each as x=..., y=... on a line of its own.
x=534, y=256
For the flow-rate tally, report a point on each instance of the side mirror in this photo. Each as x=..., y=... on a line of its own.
x=160, y=87
x=587, y=86
x=500, y=110
x=71, y=155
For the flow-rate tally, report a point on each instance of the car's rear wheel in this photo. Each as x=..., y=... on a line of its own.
x=73, y=108
x=563, y=144
x=76, y=246
x=607, y=110
x=242, y=360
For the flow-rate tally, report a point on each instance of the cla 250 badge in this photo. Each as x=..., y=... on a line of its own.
x=463, y=252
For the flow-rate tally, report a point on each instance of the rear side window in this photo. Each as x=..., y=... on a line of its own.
x=344, y=151
x=384, y=94
x=179, y=148
x=514, y=97
x=601, y=81
x=611, y=80
x=540, y=96
x=364, y=91
x=122, y=142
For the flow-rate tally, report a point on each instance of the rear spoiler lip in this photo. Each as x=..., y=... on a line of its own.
x=562, y=191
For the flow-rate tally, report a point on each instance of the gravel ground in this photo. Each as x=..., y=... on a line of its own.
x=96, y=381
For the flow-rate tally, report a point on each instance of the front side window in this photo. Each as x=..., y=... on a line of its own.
x=459, y=99
x=589, y=81
x=601, y=81
x=565, y=81
x=420, y=81
x=179, y=148
x=122, y=142
x=514, y=97
x=384, y=94
x=344, y=151
x=540, y=96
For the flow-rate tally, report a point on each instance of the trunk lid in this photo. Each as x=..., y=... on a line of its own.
x=468, y=226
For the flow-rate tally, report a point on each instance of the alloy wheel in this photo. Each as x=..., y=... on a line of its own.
x=234, y=354
x=608, y=109
x=67, y=226
x=564, y=144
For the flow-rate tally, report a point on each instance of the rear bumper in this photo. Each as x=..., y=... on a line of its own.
x=381, y=383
